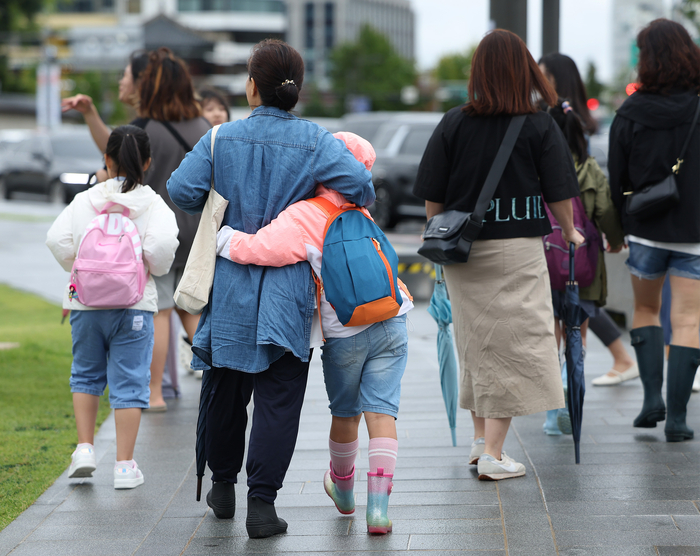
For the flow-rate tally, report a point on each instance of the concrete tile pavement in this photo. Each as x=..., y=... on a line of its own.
x=633, y=493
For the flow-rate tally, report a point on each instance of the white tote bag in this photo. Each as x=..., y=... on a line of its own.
x=192, y=293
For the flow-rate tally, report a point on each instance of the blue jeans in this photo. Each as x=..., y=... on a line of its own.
x=113, y=346
x=363, y=372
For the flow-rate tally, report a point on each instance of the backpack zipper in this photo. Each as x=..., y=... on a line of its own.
x=378, y=247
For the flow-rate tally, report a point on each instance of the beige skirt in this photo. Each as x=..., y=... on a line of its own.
x=504, y=329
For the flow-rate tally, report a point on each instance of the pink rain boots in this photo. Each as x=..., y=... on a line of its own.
x=340, y=489
x=378, y=491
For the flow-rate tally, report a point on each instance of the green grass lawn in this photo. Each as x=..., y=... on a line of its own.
x=37, y=426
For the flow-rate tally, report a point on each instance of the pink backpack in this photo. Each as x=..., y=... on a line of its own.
x=108, y=272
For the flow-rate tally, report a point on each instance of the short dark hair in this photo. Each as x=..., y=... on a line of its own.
x=668, y=58
x=130, y=148
x=278, y=71
x=166, y=91
x=505, y=78
x=569, y=85
x=206, y=95
x=571, y=126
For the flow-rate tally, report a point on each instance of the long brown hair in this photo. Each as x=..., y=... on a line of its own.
x=166, y=91
x=505, y=78
x=668, y=58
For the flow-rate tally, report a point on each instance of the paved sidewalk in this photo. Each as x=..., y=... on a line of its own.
x=632, y=495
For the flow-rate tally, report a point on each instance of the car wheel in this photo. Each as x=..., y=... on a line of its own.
x=382, y=210
x=57, y=193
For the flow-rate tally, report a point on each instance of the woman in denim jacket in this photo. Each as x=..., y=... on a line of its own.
x=253, y=337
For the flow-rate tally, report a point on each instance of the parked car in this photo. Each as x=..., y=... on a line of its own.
x=57, y=164
x=399, y=139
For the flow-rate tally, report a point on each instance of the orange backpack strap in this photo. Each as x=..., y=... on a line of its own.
x=319, y=291
x=325, y=205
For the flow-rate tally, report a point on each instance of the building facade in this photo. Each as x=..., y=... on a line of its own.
x=315, y=27
x=628, y=18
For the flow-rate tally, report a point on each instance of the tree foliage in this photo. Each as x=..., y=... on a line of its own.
x=455, y=67
x=372, y=68
x=16, y=17
x=452, y=76
x=690, y=9
x=594, y=88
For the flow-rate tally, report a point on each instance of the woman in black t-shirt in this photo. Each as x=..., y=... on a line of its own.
x=501, y=299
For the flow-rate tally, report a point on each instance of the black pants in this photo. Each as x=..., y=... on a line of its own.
x=278, y=395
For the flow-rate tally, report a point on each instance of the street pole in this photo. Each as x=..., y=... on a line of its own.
x=510, y=15
x=550, y=26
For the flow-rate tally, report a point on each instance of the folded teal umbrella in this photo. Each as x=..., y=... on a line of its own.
x=441, y=310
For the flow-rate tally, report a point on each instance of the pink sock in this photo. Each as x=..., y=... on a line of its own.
x=382, y=453
x=343, y=456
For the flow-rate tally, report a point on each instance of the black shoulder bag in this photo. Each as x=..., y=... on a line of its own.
x=448, y=236
x=658, y=198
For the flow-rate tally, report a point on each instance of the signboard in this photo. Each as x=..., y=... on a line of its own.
x=48, y=96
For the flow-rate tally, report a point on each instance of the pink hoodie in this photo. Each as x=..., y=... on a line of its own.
x=297, y=235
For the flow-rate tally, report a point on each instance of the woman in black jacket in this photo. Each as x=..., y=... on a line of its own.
x=646, y=139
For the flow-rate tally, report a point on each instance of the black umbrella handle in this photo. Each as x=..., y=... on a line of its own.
x=572, y=252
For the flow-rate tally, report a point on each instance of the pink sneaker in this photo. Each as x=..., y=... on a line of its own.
x=127, y=475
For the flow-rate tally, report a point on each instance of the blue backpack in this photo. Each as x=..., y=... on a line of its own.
x=359, y=266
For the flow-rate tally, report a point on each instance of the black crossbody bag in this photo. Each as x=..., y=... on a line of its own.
x=448, y=236
x=658, y=198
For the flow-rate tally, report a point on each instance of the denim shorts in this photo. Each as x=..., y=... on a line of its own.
x=113, y=346
x=651, y=263
x=363, y=372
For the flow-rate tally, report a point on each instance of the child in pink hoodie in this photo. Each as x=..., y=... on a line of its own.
x=362, y=365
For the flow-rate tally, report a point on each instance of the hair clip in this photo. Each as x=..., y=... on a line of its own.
x=288, y=82
x=566, y=107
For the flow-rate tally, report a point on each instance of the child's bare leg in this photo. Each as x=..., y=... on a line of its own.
x=127, y=421
x=161, y=329
x=85, y=408
x=380, y=425
x=344, y=429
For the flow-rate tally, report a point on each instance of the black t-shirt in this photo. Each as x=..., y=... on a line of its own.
x=458, y=159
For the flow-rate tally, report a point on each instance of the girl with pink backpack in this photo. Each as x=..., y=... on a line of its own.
x=113, y=238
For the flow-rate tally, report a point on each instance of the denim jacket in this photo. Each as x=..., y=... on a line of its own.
x=262, y=164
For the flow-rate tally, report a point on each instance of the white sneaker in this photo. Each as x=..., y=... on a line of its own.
x=490, y=469
x=185, y=353
x=82, y=462
x=477, y=450
x=126, y=476
x=696, y=382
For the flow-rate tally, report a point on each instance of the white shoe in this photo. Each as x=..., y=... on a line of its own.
x=126, y=476
x=198, y=374
x=83, y=462
x=619, y=377
x=491, y=469
x=696, y=382
x=185, y=352
x=477, y=450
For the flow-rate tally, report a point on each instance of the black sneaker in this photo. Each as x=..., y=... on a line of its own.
x=222, y=499
x=262, y=519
